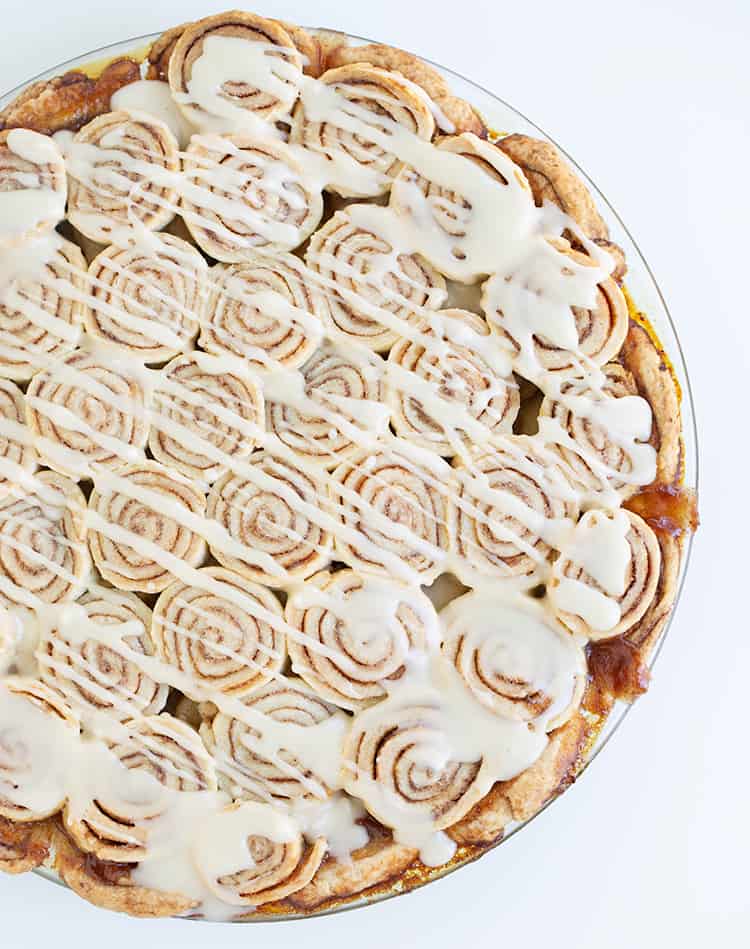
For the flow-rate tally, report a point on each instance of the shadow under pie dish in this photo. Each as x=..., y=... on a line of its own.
x=345, y=492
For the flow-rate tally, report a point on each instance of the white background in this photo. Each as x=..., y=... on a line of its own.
x=651, y=848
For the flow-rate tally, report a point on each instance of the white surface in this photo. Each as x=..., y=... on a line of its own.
x=651, y=847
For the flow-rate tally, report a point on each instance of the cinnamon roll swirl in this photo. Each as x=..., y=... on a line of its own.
x=368, y=627
x=208, y=70
x=43, y=555
x=266, y=512
x=434, y=390
x=253, y=766
x=81, y=655
x=243, y=195
x=347, y=388
x=40, y=308
x=218, y=643
x=142, y=520
x=593, y=432
x=557, y=338
x=35, y=721
x=122, y=171
x=366, y=107
x=607, y=576
x=88, y=411
x=401, y=513
x=371, y=290
x=147, y=298
x=33, y=186
x=264, y=310
x=17, y=456
x=514, y=505
x=278, y=861
x=205, y=409
x=514, y=659
x=156, y=754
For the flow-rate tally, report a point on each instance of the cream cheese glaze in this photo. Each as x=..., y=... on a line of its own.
x=445, y=706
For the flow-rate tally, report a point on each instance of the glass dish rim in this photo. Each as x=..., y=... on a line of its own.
x=616, y=718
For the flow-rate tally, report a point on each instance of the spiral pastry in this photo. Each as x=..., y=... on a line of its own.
x=627, y=605
x=451, y=213
x=513, y=504
x=88, y=409
x=122, y=169
x=367, y=288
x=242, y=194
x=16, y=454
x=147, y=509
x=279, y=861
x=348, y=389
x=40, y=727
x=401, y=513
x=542, y=334
x=204, y=400
x=147, y=298
x=43, y=553
x=32, y=186
x=266, y=512
x=369, y=107
x=397, y=761
x=116, y=825
x=198, y=60
x=368, y=627
x=89, y=670
x=216, y=642
x=592, y=455
x=253, y=767
x=513, y=658
x=453, y=382
x=265, y=311
x=39, y=311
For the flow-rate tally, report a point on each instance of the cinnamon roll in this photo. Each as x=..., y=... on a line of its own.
x=355, y=124
x=88, y=411
x=371, y=290
x=218, y=643
x=242, y=196
x=116, y=825
x=40, y=307
x=601, y=439
x=436, y=391
x=17, y=456
x=513, y=658
x=265, y=310
x=142, y=520
x=346, y=390
x=43, y=555
x=122, y=171
x=514, y=505
x=147, y=298
x=38, y=726
x=206, y=409
x=366, y=627
x=276, y=859
x=540, y=333
x=33, y=186
x=398, y=514
x=209, y=68
x=267, y=514
x=81, y=655
x=607, y=574
x=255, y=765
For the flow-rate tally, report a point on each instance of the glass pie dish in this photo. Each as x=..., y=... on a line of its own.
x=642, y=287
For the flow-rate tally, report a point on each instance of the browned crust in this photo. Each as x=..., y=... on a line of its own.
x=24, y=846
x=69, y=101
x=646, y=632
x=161, y=52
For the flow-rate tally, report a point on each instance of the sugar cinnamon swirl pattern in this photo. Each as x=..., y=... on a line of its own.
x=33, y=186
x=17, y=457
